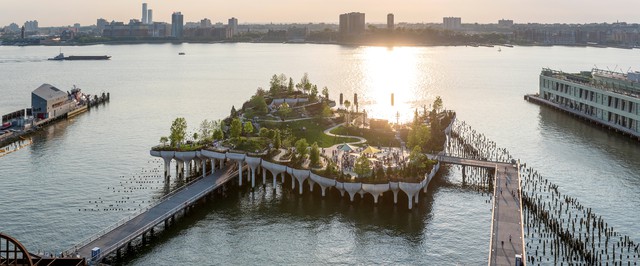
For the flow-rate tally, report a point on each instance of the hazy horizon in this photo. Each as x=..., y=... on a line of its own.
x=68, y=12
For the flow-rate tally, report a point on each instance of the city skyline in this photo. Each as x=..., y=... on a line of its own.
x=410, y=11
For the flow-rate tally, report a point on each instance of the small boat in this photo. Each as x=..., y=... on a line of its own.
x=181, y=53
x=61, y=57
x=5, y=125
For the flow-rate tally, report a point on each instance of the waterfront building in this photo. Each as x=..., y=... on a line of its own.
x=505, y=22
x=390, y=23
x=205, y=23
x=177, y=24
x=13, y=27
x=31, y=26
x=49, y=102
x=232, y=27
x=101, y=24
x=451, y=23
x=352, y=24
x=144, y=13
x=295, y=34
x=608, y=97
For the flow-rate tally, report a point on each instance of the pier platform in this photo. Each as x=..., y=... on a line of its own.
x=115, y=237
x=507, y=231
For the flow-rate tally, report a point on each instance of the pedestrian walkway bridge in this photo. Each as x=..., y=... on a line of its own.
x=122, y=233
x=507, y=233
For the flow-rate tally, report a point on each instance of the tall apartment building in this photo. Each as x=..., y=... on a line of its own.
x=451, y=23
x=352, y=24
x=150, y=16
x=177, y=24
x=144, y=13
x=232, y=27
x=390, y=23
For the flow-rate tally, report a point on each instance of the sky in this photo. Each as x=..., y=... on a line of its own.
x=85, y=12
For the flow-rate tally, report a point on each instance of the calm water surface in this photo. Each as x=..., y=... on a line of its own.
x=50, y=187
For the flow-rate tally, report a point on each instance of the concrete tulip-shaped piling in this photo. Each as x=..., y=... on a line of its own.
x=375, y=190
x=239, y=158
x=395, y=187
x=300, y=175
x=352, y=188
x=323, y=182
x=253, y=163
x=411, y=189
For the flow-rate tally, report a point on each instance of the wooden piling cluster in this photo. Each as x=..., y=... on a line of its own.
x=558, y=229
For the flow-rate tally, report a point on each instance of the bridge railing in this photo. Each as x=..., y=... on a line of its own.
x=156, y=221
x=129, y=217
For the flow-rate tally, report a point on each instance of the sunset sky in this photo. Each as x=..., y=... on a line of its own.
x=85, y=12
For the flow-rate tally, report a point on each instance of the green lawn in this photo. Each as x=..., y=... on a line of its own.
x=313, y=131
x=374, y=137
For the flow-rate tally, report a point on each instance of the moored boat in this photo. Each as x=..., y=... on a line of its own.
x=61, y=57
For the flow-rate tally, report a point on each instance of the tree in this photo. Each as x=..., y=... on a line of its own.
x=314, y=93
x=325, y=92
x=314, y=155
x=234, y=113
x=301, y=147
x=419, y=136
x=437, y=104
x=164, y=140
x=347, y=104
x=264, y=132
x=326, y=111
x=305, y=84
x=178, y=131
x=259, y=104
x=217, y=134
x=284, y=110
x=283, y=82
x=248, y=128
x=417, y=161
x=274, y=85
x=236, y=128
x=277, y=141
x=290, y=87
x=362, y=167
x=206, y=129
x=195, y=136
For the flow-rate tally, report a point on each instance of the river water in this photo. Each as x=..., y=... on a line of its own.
x=81, y=175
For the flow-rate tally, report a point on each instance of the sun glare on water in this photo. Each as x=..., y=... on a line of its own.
x=391, y=70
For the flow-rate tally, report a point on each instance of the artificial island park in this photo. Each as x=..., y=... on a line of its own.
x=297, y=135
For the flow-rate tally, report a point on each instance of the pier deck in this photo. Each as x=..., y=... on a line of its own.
x=112, y=239
x=506, y=224
x=507, y=238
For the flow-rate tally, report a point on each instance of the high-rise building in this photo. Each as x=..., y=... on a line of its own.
x=390, y=23
x=451, y=23
x=144, y=13
x=352, y=24
x=232, y=27
x=31, y=26
x=101, y=24
x=205, y=23
x=505, y=22
x=150, y=16
x=177, y=24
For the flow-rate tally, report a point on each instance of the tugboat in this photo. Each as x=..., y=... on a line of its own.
x=61, y=57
